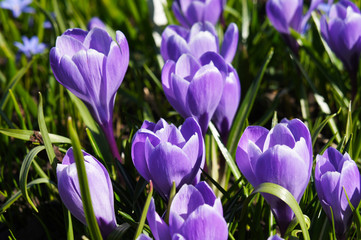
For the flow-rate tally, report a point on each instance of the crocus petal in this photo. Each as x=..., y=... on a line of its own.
x=195, y=12
x=179, y=15
x=203, y=42
x=168, y=164
x=68, y=45
x=99, y=40
x=205, y=223
x=159, y=228
x=279, y=135
x=203, y=96
x=230, y=41
x=186, y=201
x=77, y=33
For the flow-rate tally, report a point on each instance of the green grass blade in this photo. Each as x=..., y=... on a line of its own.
x=227, y=156
x=24, y=171
x=317, y=129
x=246, y=106
x=44, y=133
x=283, y=194
x=145, y=211
x=18, y=194
x=83, y=184
x=33, y=136
x=13, y=82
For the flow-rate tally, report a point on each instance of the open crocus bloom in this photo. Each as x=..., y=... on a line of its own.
x=165, y=154
x=334, y=174
x=283, y=156
x=193, y=86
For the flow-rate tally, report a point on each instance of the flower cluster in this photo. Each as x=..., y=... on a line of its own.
x=197, y=69
x=202, y=85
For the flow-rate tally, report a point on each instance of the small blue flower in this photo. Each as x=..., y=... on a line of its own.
x=30, y=46
x=17, y=6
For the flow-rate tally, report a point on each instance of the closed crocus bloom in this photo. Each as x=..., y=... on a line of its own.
x=334, y=174
x=195, y=214
x=282, y=156
x=286, y=14
x=100, y=186
x=201, y=38
x=92, y=66
x=193, y=86
x=95, y=22
x=165, y=154
x=189, y=12
x=342, y=33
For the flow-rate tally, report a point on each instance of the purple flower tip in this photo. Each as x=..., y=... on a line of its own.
x=95, y=22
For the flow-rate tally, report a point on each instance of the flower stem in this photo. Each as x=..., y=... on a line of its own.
x=109, y=134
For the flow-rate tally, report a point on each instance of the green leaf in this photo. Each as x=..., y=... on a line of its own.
x=13, y=82
x=246, y=106
x=227, y=156
x=24, y=171
x=44, y=133
x=33, y=136
x=145, y=211
x=283, y=194
x=83, y=184
x=170, y=200
x=318, y=129
x=18, y=194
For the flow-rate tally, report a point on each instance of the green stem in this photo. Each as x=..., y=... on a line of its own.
x=83, y=183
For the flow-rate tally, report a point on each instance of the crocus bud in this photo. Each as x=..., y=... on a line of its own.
x=336, y=174
x=201, y=38
x=189, y=12
x=95, y=22
x=195, y=214
x=92, y=66
x=282, y=156
x=342, y=33
x=286, y=14
x=100, y=186
x=193, y=86
x=165, y=154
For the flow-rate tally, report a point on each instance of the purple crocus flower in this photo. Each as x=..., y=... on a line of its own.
x=100, y=186
x=286, y=14
x=30, y=46
x=189, y=12
x=342, y=33
x=334, y=174
x=17, y=6
x=201, y=38
x=193, y=86
x=165, y=154
x=286, y=150
x=195, y=214
x=95, y=22
x=92, y=66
